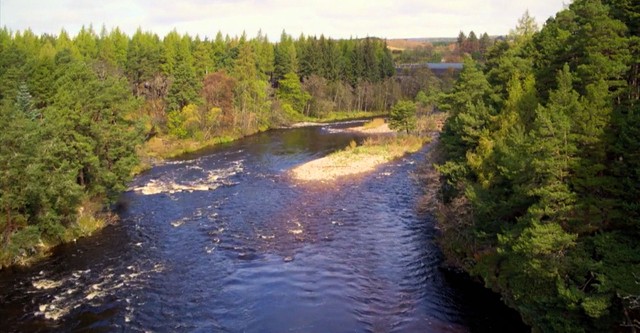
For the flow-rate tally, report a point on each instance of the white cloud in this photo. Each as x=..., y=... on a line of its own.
x=334, y=18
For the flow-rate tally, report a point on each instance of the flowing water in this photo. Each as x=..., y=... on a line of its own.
x=226, y=241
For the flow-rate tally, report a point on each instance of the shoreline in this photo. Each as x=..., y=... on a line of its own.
x=160, y=149
x=356, y=160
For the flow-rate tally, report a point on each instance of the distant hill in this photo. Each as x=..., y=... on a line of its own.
x=403, y=44
x=435, y=39
x=412, y=43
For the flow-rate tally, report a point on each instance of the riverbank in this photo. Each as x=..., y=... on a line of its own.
x=385, y=146
x=355, y=159
x=160, y=148
x=26, y=248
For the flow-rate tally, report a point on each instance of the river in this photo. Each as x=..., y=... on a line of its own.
x=225, y=241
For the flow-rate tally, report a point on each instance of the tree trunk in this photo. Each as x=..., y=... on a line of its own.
x=81, y=177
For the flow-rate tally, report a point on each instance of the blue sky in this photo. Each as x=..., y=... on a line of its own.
x=333, y=18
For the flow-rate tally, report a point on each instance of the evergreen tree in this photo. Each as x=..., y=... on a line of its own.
x=17, y=151
x=403, y=116
x=467, y=96
x=387, y=66
x=184, y=83
x=462, y=41
x=43, y=78
x=473, y=45
x=543, y=173
x=86, y=41
x=203, y=62
x=24, y=102
x=285, y=58
x=554, y=152
x=90, y=117
x=525, y=29
x=484, y=43
x=250, y=92
x=264, y=55
x=143, y=59
x=600, y=47
x=290, y=92
x=332, y=59
x=355, y=65
x=371, y=65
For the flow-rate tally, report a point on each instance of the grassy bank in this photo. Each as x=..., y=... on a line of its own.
x=357, y=159
x=347, y=115
x=164, y=147
x=380, y=148
x=158, y=149
x=29, y=245
x=387, y=147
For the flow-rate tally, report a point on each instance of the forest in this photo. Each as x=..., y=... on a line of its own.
x=540, y=169
x=79, y=113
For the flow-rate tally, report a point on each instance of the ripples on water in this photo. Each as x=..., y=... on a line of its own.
x=254, y=252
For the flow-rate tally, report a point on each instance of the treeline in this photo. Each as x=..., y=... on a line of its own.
x=239, y=77
x=252, y=84
x=74, y=109
x=472, y=45
x=541, y=185
x=67, y=144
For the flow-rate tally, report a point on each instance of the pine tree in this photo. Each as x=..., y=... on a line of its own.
x=525, y=29
x=554, y=152
x=42, y=83
x=24, y=102
x=184, y=83
x=86, y=41
x=332, y=59
x=403, y=116
x=473, y=45
x=290, y=92
x=600, y=47
x=485, y=43
x=371, y=64
x=546, y=178
x=264, y=55
x=17, y=150
x=202, y=58
x=462, y=42
x=143, y=59
x=250, y=92
x=285, y=58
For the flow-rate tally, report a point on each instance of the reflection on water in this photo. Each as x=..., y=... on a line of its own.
x=225, y=241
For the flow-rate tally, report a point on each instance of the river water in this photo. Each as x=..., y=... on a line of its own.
x=226, y=241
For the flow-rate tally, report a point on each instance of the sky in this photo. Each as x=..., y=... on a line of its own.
x=333, y=18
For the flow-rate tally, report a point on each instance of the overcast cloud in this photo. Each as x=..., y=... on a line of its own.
x=333, y=18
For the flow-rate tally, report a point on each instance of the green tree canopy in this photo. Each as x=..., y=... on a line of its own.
x=403, y=116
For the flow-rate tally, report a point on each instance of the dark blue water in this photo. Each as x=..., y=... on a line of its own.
x=226, y=241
